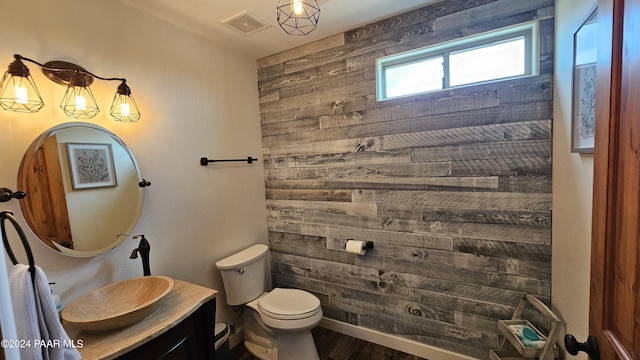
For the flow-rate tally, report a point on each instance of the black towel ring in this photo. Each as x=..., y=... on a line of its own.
x=7, y=215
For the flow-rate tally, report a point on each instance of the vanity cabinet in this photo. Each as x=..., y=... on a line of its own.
x=181, y=328
x=193, y=338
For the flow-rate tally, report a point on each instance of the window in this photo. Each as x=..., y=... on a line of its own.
x=501, y=54
x=414, y=77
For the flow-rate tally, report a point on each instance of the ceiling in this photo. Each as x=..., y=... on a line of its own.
x=205, y=18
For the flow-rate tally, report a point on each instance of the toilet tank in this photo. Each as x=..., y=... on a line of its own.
x=243, y=274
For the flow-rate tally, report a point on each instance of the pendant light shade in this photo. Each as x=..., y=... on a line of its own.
x=78, y=102
x=124, y=107
x=298, y=17
x=18, y=92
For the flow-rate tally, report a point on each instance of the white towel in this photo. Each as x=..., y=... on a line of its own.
x=37, y=321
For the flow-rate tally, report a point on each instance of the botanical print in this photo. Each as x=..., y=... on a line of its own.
x=91, y=165
x=587, y=102
x=585, y=55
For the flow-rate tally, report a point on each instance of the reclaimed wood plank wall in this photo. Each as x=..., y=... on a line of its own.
x=453, y=187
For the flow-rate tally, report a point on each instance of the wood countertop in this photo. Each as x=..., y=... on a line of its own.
x=177, y=305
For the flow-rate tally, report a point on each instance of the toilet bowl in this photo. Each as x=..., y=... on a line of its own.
x=288, y=309
x=277, y=323
x=276, y=330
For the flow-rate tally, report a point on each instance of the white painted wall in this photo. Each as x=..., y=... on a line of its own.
x=197, y=99
x=572, y=187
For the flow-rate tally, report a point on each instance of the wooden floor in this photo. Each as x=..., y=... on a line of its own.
x=335, y=346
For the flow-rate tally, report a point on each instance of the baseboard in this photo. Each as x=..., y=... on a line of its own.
x=391, y=341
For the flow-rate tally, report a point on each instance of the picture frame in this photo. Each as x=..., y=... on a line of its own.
x=91, y=165
x=584, y=84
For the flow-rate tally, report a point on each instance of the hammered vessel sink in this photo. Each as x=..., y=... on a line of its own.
x=117, y=305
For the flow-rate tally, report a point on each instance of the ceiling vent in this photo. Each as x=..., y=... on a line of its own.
x=247, y=23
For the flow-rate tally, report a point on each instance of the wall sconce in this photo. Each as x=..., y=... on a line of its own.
x=298, y=17
x=18, y=91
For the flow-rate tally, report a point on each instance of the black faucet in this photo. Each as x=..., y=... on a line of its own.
x=143, y=248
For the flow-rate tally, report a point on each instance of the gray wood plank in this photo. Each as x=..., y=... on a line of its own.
x=468, y=135
x=526, y=234
x=327, y=43
x=466, y=200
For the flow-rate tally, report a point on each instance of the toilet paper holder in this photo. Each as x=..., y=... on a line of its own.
x=367, y=244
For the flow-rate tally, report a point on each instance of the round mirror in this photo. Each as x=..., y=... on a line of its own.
x=82, y=185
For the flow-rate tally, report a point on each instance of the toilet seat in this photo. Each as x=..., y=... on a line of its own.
x=289, y=304
x=288, y=309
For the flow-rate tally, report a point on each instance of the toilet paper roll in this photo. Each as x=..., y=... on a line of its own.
x=356, y=247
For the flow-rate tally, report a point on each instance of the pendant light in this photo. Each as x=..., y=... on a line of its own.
x=18, y=92
x=123, y=106
x=78, y=102
x=298, y=17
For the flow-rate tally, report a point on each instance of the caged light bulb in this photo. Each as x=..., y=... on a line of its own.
x=81, y=102
x=124, y=109
x=297, y=7
x=22, y=97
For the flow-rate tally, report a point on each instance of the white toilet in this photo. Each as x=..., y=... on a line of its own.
x=277, y=324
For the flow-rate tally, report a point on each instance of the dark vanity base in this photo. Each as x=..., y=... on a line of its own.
x=193, y=338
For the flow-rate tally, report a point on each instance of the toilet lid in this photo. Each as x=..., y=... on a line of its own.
x=289, y=303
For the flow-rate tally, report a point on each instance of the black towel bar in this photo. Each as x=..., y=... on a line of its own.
x=205, y=161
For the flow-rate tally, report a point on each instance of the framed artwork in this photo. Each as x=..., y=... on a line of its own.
x=584, y=85
x=91, y=165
